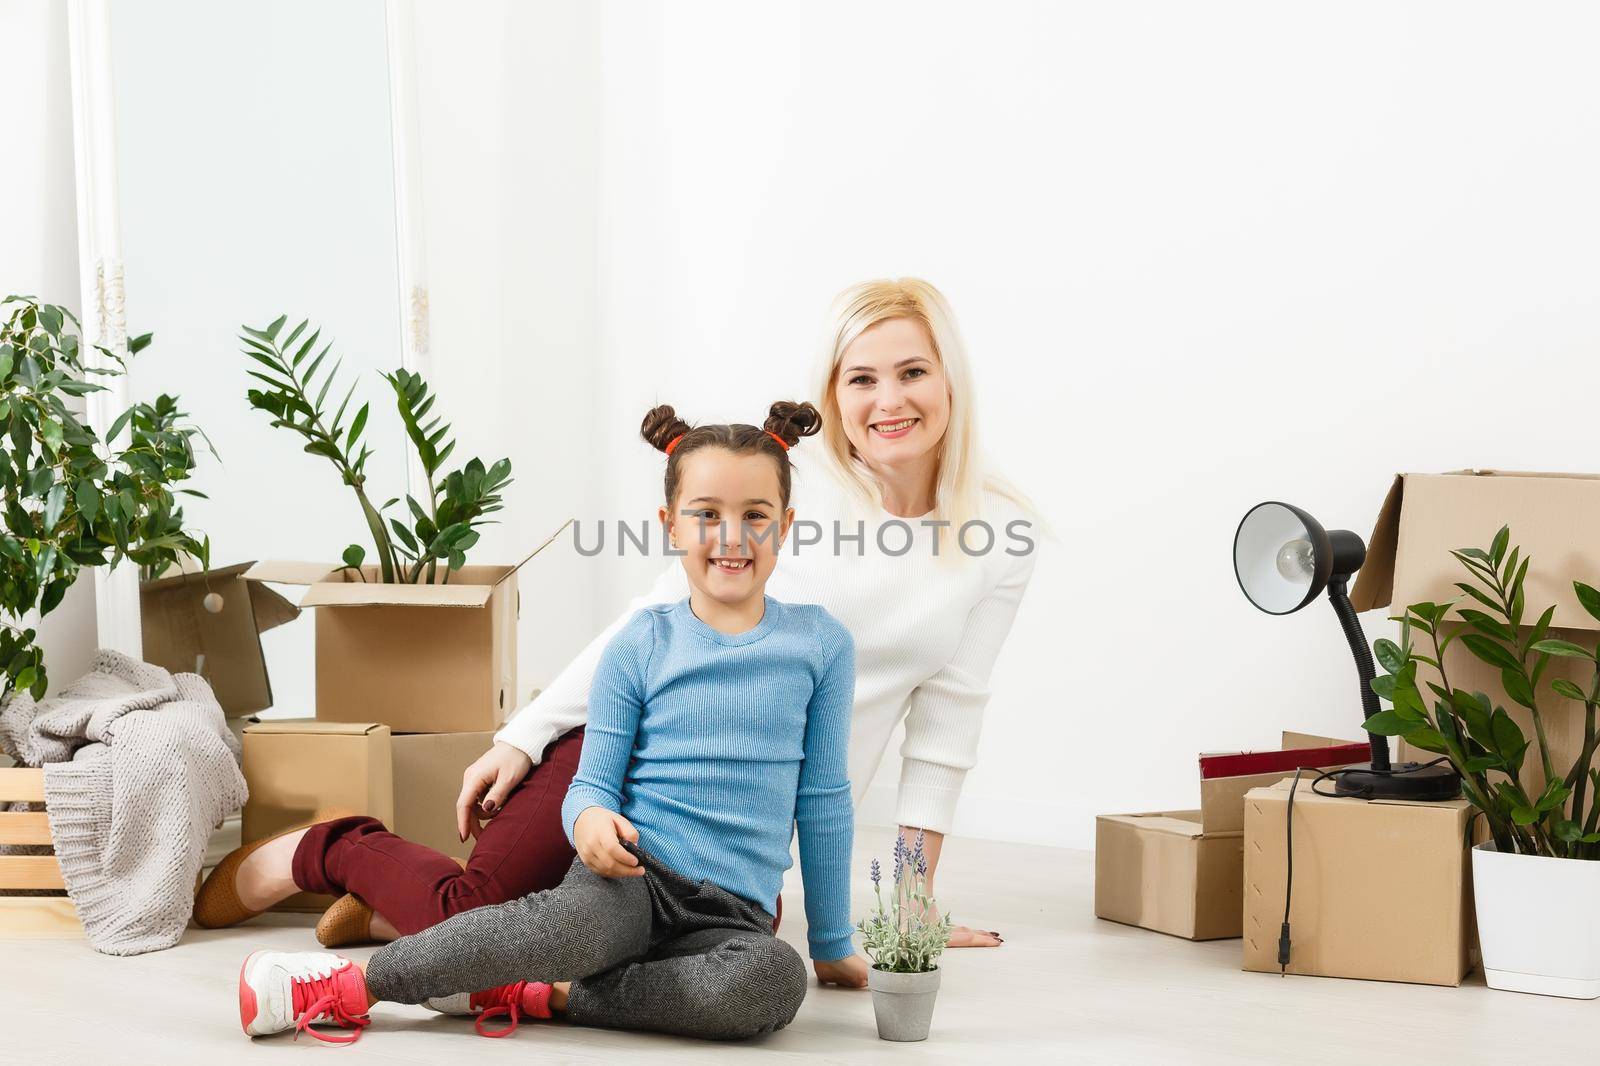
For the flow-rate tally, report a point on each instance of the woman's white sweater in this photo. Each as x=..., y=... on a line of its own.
x=927, y=631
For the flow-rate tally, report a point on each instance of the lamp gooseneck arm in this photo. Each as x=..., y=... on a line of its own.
x=1358, y=647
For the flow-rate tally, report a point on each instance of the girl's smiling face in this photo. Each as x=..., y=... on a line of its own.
x=729, y=521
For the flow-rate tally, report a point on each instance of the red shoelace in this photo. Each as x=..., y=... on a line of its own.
x=319, y=997
x=493, y=1002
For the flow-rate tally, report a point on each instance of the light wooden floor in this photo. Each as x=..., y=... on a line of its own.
x=1065, y=988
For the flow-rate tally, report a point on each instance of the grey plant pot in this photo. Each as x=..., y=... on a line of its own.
x=903, y=1002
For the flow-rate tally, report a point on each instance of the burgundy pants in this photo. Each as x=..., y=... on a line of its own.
x=522, y=849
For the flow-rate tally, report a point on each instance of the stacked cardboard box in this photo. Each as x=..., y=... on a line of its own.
x=1381, y=889
x=411, y=683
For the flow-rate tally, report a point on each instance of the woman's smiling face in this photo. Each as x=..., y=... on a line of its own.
x=729, y=522
x=894, y=400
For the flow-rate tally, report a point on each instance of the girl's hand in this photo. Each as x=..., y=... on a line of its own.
x=848, y=972
x=499, y=770
x=598, y=835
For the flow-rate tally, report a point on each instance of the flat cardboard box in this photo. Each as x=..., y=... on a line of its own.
x=438, y=658
x=1552, y=517
x=297, y=767
x=1181, y=872
x=180, y=635
x=1382, y=889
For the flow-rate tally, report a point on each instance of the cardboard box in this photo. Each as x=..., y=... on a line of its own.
x=1552, y=516
x=427, y=781
x=297, y=767
x=224, y=647
x=438, y=658
x=1181, y=872
x=1382, y=888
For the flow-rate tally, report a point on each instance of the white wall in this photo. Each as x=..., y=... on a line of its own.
x=39, y=234
x=1204, y=255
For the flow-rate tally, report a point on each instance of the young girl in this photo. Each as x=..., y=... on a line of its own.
x=717, y=726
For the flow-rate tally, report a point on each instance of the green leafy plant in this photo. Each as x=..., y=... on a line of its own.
x=1484, y=743
x=70, y=500
x=907, y=935
x=298, y=382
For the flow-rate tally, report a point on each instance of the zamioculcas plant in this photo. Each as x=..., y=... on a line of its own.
x=298, y=381
x=1561, y=817
x=70, y=500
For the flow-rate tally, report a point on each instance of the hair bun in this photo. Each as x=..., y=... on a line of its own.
x=662, y=426
x=791, y=421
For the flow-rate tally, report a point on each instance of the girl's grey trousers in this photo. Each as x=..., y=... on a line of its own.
x=658, y=952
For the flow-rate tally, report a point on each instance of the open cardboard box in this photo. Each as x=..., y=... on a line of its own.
x=409, y=781
x=1553, y=518
x=224, y=647
x=1382, y=888
x=439, y=658
x=1182, y=872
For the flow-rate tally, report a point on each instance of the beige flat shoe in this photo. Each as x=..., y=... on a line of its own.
x=349, y=921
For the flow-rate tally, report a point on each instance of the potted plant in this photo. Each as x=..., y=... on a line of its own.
x=1535, y=880
x=298, y=379
x=904, y=940
x=69, y=500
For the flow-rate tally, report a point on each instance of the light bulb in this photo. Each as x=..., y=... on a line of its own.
x=1297, y=561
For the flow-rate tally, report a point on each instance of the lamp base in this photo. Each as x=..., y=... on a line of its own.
x=1417, y=782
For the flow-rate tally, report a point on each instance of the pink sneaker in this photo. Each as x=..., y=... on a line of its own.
x=281, y=990
x=531, y=998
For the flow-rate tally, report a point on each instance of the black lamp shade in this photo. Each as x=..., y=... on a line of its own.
x=1282, y=557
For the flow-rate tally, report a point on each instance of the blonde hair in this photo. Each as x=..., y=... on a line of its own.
x=960, y=477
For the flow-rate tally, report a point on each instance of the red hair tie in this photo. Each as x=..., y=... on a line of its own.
x=673, y=443
x=781, y=442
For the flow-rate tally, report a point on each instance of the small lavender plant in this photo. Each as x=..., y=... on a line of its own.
x=900, y=938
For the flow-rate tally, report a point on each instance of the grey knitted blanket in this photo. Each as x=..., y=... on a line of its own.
x=139, y=768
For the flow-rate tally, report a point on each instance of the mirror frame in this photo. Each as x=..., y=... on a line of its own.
x=103, y=308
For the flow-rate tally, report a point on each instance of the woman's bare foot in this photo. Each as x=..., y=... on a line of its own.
x=266, y=876
x=963, y=937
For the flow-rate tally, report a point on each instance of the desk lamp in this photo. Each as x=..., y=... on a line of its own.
x=1283, y=559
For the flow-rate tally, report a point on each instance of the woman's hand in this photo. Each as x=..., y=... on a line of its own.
x=598, y=835
x=498, y=770
x=848, y=972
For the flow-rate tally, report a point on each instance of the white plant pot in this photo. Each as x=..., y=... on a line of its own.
x=1535, y=922
x=903, y=1003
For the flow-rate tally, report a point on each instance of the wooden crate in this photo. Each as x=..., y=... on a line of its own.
x=31, y=917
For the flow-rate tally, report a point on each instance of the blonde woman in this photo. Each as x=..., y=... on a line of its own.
x=919, y=551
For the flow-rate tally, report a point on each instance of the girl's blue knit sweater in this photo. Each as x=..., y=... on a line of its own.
x=718, y=746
